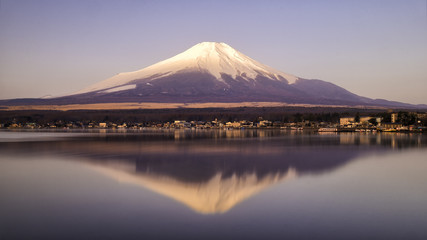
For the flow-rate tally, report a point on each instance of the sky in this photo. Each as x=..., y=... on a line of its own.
x=374, y=48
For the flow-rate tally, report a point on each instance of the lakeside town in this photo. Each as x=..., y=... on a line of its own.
x=389, y=122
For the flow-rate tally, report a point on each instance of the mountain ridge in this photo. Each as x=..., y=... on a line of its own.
x=206, y=57
x=212, y=72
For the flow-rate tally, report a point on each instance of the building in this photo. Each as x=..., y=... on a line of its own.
x=394, y=117
x=182, y=124
x=233, y=124
x=264, y=123
x=365, y=119
x=395, y=126
x=346, y=121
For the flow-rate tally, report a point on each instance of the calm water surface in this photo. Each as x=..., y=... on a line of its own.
x=242, y=184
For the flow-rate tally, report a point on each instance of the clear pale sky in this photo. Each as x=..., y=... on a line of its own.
x=376, y=49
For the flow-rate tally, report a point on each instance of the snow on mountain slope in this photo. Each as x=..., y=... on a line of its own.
x=211, y=72
x=211, y=57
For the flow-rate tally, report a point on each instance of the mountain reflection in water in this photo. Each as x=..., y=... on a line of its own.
x=212, y=171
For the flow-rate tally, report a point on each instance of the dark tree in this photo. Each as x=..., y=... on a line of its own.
x=298, y=117
x=357, y=117
x=373, y=121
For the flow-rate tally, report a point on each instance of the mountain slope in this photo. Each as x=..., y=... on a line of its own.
x=207, y=57
x=211, y=72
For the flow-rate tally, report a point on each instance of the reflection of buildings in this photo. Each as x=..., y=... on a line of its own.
x=393, y=140
x=182, y=134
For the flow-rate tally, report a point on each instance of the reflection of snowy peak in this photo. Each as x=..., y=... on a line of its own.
x=207, y=57
x=218, y=195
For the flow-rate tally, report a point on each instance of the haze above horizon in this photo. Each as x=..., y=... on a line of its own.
x=376, y=49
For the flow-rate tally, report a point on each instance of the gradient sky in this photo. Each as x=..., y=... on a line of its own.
x=376, y=49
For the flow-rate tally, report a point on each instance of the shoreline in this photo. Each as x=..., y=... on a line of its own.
x=142, y=129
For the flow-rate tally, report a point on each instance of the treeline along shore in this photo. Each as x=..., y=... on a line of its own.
x=288, y=114
x=325, y=117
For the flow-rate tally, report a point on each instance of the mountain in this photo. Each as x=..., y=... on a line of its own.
x=217, y=62
x=211, y=72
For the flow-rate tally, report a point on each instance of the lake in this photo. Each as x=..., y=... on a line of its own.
x=212, y=184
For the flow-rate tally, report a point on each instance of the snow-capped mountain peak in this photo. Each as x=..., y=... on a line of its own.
x=213, y=73
x=220, y=58
x=208, y=57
